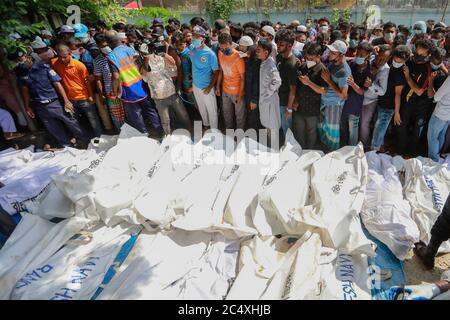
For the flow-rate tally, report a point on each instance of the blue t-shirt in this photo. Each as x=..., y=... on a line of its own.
x=354, y=101
x=204, y=63
x=186, y=68
x=339, y=74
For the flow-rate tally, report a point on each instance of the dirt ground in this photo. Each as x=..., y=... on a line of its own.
x=416, y=274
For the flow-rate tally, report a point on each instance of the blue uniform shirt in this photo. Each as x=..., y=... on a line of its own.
x=40, y=83
x=204, y=63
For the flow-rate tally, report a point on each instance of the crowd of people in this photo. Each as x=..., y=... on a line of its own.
x=331, y=85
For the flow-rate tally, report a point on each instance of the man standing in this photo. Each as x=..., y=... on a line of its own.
x=74, y=75
x=231, y=82
x=268, y=33
x=205, y=71
x=128, y=84
x=287, y=66
x=41, y=86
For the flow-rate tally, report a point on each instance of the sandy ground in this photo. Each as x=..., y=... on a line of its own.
x=416, y=274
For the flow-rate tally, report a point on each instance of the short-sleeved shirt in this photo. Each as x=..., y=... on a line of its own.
x=309, y=100
x=420, y=74
x=73, y=76
x=355, y=101
x=339, y=75
x=396, y=78
x=233, y=68
x=204, y=63
x=39, y=81
x=288, y=73
x=186, y=68
x=101, y=69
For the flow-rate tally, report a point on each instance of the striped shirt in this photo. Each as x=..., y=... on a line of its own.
x=101, y=69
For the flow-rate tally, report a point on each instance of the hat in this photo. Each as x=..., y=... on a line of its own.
x=15, y=36
x=200, y=31
x=246, y=41
x=38, y=44
x=46, y=33
x=92, y=47
x=66, y=29
x=80, y=30
x=302, y=28
x=122, y=35
x=270, y=30
x=158, y=22
x=338, y=46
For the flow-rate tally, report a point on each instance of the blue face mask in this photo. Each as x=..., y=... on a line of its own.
x=227, y=52
x=359, y=60
x=435, y=67
x=196, y=43
x=47, y=42
x=353, y=43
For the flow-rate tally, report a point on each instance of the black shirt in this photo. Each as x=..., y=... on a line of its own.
x=309, y=100
x=378, y=41
x=396, y=78
x=288, y=73
x=420, y=74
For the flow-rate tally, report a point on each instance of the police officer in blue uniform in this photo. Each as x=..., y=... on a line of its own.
x=42, y=87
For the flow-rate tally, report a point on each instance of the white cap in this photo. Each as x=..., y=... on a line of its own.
x=46, y=33
x=302, y=28
x=38, y=44
x=269, y=30
x=66, y=29
x=246, y=41
x=122, y=35
x=338, y=46
x=15, y=36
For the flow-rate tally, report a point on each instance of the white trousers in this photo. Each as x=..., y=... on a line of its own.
x=207, y=106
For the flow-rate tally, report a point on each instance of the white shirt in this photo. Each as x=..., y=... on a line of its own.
x=442, y=97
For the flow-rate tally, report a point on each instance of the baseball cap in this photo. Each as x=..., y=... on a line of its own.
x=158, y=22
x=80, y=30
x=302, y=28
x=46, y=33
x=38, y=44
x=200, y=31
x=15, y=36
x=246, y=41
x=338, y=46
x=66, y=29
x=270, y=30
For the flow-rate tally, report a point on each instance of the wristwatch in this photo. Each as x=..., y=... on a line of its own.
x=289, y=110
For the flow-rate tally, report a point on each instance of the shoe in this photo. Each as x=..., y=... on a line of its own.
x=425, y=255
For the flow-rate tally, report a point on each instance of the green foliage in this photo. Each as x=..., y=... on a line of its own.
x=337, y=14
x=143, y=24
x=154, y=12
x=221, y=9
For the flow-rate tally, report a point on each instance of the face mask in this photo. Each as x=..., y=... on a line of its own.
x=310, y=64
x=416, y=31
x=106, y=50
x=197, y=43
x=226, y=52
x=46, y=41
x=215, y=39
x=323, y=29
x=243, y=54
x=389, y=36
x=419, y=58
x=397, y=64
x=76, y=54
x=435, y=67
x=85, y=40
x=353, y=43
x=435, y=42
x=360, y=60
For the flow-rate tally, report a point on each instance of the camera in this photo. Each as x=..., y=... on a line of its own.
x=146, y=46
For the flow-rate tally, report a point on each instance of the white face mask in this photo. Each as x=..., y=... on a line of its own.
x=397, y=64
x=323, y=29
x=105, y=50
x=310, y=64
x=389, y=36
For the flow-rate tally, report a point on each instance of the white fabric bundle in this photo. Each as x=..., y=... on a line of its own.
x=427, y=186
x=385, y=213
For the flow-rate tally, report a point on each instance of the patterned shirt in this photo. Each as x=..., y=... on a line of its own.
x=101, y=69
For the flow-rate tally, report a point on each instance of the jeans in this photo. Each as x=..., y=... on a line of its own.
x=172, y=110
x=304, y=129
x=56, y=120
x=367, y=113
x=135, y=112
x=285, y=122
x=384, y=118
x=436, y=136
x=349, y=129
x=84, y=109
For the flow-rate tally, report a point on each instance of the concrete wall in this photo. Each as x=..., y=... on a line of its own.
x=399, y=16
